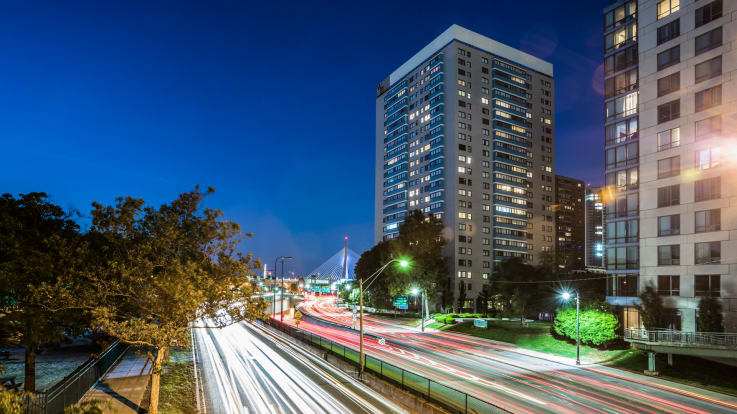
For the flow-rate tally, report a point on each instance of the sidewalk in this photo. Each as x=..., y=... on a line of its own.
x=125, y=384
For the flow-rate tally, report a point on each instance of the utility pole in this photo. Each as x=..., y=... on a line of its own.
x=360, y=305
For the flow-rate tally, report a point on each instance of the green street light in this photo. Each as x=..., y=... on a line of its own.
x=404, y=263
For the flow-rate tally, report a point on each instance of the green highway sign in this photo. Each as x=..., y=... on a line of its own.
x=401, y=302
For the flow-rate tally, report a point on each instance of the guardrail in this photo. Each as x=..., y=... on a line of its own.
x=454, y=400
x=73, y=387
x=681, y=338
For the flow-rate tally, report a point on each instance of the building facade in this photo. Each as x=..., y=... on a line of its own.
x=570, y=228
x=465, y=131
x=621, y=146
x=688, y=150
x=594, y=223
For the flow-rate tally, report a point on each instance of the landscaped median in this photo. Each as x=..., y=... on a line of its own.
x=177, y=395
x=537, y=336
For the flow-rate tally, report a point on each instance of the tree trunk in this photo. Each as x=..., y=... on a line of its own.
x=29, y=382
x=153, y=405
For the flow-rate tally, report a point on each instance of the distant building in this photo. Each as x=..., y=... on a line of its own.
x=570, y=229
x=594, y=221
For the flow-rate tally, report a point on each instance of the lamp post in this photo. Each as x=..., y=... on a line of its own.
x=273, y=290
x=567, y=296
x=416, y=291
x=281, y=291
x=403, y=263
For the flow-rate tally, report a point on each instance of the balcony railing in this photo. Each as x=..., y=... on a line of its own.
x=681, y=338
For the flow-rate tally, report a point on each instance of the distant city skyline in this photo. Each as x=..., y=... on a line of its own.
x=148, y=100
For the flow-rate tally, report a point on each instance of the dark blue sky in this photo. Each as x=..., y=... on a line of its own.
x=273, y=105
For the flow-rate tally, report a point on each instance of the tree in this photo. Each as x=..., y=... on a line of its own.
x=483, y=299
x=370, y=261
x=40, y=250
x=710, y=315
x=461, y=295
x=421, y=240
x=651, y=308
x=597, y=326
x=516, y=282
x=163, y=270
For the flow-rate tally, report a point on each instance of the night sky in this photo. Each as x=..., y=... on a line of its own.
x=273, y=105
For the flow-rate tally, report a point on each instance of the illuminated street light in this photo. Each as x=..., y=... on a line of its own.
x=566, y=296
x=404, y=263
x=415, y=292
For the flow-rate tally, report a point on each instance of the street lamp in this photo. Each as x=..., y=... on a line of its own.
x=415, y=292
x=403, y=263
x=566, y=296
x=273, y=296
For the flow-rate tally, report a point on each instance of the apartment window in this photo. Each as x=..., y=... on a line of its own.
x=707, y=253
x=621, y=83
x=709, y=12
x=669, y=31
x=707, y=285
x=669, y=196
x=708, y=98
x=708, y=40
x=708, y=128
x=618, y=15
x=669, y=255
x=707, y=220
x=621, y=131
x=666, y=7
x=669, y=139
x=669, y=111
x=708, y=69
x=624, y=231
x=622, y=106
x=621, y=258
x=622, y=155
x=669, y=167
x=669, y=285
x=669, y=225
x=619, y=37
x=669, y=57
x=707, y=158
x=707, y=189
x=668, y=84
x=621, y=60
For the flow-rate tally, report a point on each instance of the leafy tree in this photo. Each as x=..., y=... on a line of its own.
x=483, y=299
x=710, y=315
x=651, y=308
x=516, y=285
x=421, y=240
x=40, y=251
x=164, y=270
x=461, y=295
x=12, y=402
x=370, y=261
x=597, y=327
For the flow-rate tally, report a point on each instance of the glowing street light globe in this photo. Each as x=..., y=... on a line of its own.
x=566, y=295
x=347, y=287
x=404, y=263
x=415, y=291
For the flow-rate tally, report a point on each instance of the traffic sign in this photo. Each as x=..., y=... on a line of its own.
x=480, y=323
x=401, y=302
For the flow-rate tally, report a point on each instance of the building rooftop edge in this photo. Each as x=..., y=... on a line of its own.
x=464, y=35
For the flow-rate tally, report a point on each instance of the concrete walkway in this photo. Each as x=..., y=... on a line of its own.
x=124, y=385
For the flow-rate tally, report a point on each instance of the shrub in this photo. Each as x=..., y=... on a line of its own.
x=597, y=327
x=450, y=320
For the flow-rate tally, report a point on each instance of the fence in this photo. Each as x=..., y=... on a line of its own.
x=695, y=339
x=72, y=388
x=450, y=398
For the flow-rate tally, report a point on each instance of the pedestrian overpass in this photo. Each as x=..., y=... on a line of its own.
x=711, y=345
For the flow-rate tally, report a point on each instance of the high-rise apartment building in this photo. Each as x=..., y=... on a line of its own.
x=688, y=155
x=594, y=222
x=671, y=126
x=570, y=229
x=621, y=143
x=465, y=131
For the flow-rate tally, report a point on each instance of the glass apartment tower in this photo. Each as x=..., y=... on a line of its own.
x=621, y=143
x=465, y=131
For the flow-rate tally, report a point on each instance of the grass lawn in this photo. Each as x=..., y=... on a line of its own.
x=537, y=337
x=177, y=384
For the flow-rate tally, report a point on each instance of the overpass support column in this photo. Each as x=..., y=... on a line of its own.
x=670, y=360
x=651, y=361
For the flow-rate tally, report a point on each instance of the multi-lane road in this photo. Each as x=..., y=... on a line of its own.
x=250, y=368
x=514, y=379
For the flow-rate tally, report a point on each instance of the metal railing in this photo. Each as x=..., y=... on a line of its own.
x=454, y=400
x=693, y=339
x=74, y=386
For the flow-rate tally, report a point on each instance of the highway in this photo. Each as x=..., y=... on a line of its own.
x=250, y=368
x=509, y=377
